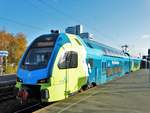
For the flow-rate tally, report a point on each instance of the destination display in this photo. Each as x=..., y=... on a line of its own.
x=45, y=44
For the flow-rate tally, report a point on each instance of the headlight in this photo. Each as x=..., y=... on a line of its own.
x=19, y=79
x=46, y=80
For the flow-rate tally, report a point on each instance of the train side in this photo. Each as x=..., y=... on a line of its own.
x=62, y=64
x=106, y=63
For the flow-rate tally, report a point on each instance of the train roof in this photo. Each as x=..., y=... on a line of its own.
x=106, y=50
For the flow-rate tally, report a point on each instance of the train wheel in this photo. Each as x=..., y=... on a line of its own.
x=93, y=84
x=84, y=87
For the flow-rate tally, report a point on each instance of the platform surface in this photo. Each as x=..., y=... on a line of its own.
x=129, y=94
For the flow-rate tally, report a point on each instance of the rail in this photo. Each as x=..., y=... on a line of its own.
x=28, y=108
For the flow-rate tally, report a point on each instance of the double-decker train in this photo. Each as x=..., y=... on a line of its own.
x=58, y=64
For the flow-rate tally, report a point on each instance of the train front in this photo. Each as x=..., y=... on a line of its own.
x=34, y=68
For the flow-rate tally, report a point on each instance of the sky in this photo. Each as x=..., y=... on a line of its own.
x=112, y=22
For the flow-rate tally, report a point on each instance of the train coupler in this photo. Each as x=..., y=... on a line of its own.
x=23, y=96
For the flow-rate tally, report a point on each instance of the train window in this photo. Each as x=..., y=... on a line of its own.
x=72, y=59
x=78, y=42
x=90, y=61
x=62, y=61
x=68, y=60
x=120, y=69
x=39, y=53
x=37, y=58
x=89, y=45
x=103, y=66
x=136, y=64
x=117, y=70
x=108, y=72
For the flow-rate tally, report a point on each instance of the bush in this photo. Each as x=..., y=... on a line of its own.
x=10, y=69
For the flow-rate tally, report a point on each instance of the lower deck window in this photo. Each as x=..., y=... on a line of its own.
x=113, y=70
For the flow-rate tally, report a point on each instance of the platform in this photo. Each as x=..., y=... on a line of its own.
x=129, y=94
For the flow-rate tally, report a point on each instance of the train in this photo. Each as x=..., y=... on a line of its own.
x=56, y=65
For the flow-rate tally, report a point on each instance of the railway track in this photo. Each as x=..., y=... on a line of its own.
x=14, y=105
x=7, y=90
x=9, y=103
x=28, y=108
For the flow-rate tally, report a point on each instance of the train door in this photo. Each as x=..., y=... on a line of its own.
x=72, y=71
x=103, y=71
x=68, y=64
x=97, y=67
x=91, y=70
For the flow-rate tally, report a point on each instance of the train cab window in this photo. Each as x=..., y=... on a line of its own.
x=68, y=60
x=39, y=53
x=38, y=56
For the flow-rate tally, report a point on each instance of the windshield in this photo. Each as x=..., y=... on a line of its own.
x=39, y=53
x=38, y=56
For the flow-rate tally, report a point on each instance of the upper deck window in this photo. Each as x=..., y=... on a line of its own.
x=78, y=42
x=89, y=45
